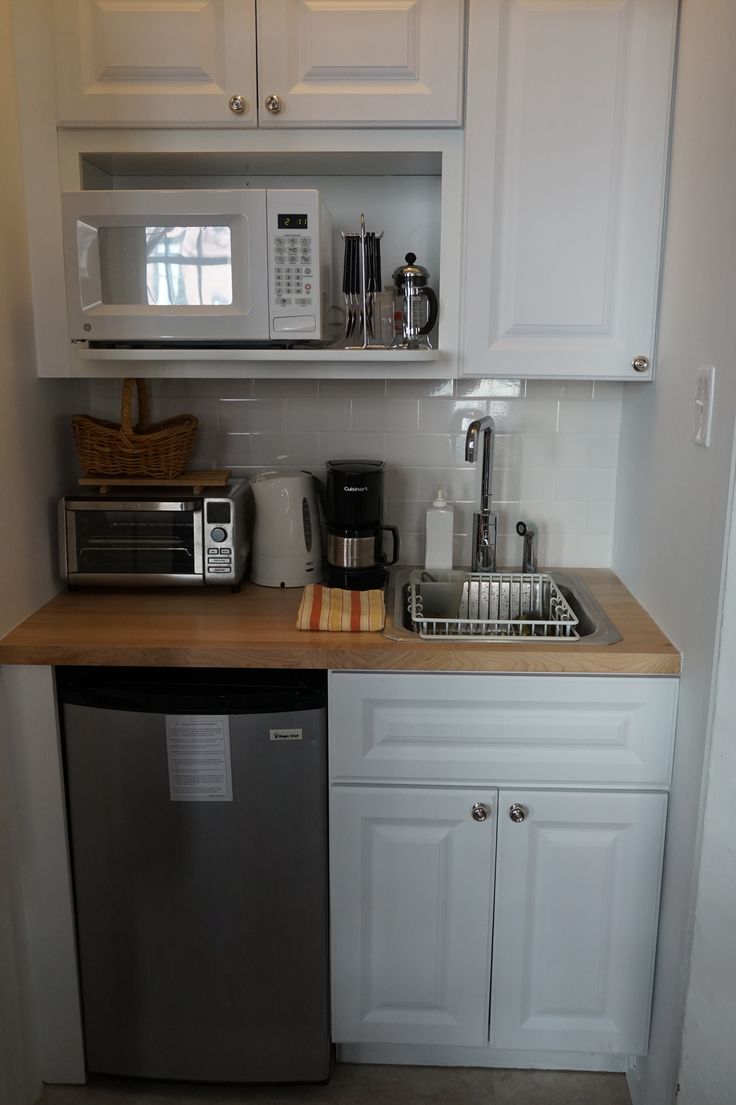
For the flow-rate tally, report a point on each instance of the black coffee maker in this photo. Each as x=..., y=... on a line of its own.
x=355, y=558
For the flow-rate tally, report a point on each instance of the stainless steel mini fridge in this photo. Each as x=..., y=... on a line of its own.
x=197, y=812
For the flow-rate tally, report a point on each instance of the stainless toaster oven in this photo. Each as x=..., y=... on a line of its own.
x=151, y=537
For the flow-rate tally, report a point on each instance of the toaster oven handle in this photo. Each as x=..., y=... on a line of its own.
x=395, y=552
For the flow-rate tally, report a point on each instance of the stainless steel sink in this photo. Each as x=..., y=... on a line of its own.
x=555, y=606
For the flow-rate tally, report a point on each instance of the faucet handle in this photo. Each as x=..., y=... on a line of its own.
x=529, y=555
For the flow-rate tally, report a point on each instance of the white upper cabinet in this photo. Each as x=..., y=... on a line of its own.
x=360, y=62
x=568, y=107
x=321, y=62
x=148, y=62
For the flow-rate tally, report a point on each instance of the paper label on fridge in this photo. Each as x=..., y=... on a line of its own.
x=198, y=751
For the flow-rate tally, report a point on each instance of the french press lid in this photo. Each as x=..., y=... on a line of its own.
x=410, y=273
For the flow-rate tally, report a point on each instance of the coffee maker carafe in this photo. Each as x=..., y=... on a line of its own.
x=354, y=538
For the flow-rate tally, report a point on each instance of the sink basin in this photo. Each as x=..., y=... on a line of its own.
x=500, y=607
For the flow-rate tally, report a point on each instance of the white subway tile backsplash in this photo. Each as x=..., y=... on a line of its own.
x=599, y=417
x=285, y=450
x=318, y=414
x=556, y=448
x=286, y=389
x=537, y=483
x=347, y=445
x=525, y=415
x=490, y=389
x=586, y=484
x=600, y=517
x=351, y=389
x=559, y=389
x=420, y=389
x=222, y=389
x=392, y=415
x=603, y=451
x=449, y=415
x=419, y=449
x=241, y=416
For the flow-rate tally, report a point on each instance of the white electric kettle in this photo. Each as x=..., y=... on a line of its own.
x=287, y=542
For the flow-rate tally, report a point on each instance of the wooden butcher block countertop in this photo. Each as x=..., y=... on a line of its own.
x=256, y=629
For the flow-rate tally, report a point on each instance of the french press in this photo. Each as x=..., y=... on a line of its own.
x=415, y=306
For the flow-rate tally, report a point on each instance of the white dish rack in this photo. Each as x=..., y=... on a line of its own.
x=512, y=606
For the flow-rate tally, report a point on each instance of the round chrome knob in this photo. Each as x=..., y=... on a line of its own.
x=238, y=104
x=517, y=812
x=274, y=104
x=640, y=363
x=479, y=812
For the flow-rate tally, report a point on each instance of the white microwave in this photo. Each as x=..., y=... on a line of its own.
x=223, y=266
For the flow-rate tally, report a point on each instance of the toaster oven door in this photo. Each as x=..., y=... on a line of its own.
x=134, y=543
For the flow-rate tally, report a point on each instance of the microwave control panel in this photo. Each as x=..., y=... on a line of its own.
x=299, y=242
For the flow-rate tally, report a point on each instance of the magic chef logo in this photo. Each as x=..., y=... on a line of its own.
x=355, y=488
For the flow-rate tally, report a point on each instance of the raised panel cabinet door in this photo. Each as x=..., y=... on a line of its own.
x=411, y=899
x=360, y=62
x=149, y=62
x=566, y=160
x=577, y=901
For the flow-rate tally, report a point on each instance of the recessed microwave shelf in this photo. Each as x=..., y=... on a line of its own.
x=230, y=355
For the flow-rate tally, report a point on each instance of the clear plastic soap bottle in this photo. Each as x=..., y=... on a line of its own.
x=440, y=530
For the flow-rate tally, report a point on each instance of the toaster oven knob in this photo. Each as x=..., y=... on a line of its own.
x=218, y=534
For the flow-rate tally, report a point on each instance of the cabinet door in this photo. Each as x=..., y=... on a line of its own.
x=576, y=920
x=566, y=156
x=149, y=62
x=360, y=62
x=411, y=905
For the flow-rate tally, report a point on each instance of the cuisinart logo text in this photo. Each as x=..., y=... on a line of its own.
x=286, y=734
x=356, y=488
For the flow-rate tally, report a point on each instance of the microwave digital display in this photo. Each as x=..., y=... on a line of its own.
x=292, y=222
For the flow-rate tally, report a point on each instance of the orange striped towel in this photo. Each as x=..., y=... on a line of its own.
x=341, y=611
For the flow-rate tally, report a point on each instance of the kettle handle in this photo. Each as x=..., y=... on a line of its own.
x=433, y=312
x=395, y=551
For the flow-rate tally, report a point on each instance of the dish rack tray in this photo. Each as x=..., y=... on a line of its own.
x=507, y=605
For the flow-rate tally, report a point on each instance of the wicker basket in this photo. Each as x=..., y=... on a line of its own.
x=159, y=450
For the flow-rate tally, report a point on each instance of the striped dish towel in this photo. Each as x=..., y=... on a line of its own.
x=341, y=611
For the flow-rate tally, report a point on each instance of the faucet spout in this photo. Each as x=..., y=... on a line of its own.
x=485, y=520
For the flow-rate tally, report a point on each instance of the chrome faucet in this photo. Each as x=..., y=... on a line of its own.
x=485, y=520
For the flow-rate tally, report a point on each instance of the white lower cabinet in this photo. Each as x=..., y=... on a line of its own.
x=411, y=907
x=512, y=917
x=576, y=920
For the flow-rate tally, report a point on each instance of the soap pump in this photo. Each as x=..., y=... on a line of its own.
x=440, y=531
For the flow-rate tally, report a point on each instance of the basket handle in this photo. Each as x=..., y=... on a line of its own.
x=126, y=424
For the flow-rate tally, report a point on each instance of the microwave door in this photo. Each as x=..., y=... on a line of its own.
x=157, y=266
x=134, y=543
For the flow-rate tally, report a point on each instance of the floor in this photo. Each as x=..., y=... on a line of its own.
x=367, y=1085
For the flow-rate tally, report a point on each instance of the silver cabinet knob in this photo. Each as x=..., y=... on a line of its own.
x=517, y=812
x=640, y=363
x=274, y=104
x=238, y=104
x=479, y=812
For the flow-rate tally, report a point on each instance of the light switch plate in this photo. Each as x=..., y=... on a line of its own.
x=705, y=377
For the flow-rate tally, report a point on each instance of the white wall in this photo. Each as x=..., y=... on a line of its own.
x=673, y=497
x=35, y=461
x=708, y=1066
x=555, y=457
